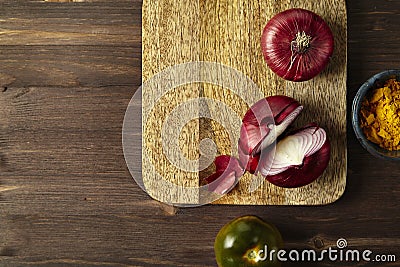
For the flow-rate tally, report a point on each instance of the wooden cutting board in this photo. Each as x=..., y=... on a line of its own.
x=228, y=32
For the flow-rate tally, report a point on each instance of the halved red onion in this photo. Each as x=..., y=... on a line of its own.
x=226, y=176
x=259, y=129
x=299, y=158
x=297, y=44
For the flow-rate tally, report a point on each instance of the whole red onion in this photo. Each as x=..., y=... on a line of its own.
x=297, y=44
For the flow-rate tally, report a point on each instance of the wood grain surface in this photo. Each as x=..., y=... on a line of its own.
x=228, y=32
x=68, y=71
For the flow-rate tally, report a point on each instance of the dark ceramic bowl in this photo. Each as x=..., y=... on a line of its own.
x=374, y=82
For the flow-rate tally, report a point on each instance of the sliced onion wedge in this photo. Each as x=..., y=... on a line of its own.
x=260, y=128
x=226, y=176
x=299, y=158
x=248, y=161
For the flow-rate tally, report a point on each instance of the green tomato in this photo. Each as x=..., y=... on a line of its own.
x=248, y=241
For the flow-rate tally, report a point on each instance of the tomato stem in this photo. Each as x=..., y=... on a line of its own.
x=252, y=255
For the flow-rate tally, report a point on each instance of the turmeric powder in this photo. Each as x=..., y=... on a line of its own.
x=380, y=116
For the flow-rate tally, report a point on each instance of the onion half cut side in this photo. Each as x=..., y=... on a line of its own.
x=299, y=158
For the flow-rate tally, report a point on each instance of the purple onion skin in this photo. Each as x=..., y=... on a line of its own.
x=281, y=106
x=276, y=44
x=312, y=168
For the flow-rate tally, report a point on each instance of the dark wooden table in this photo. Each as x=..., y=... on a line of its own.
x=67, y=72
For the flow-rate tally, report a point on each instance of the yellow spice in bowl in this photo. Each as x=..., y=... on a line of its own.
x=380, y=116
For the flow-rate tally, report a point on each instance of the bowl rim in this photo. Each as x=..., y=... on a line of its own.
x=356, y=107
